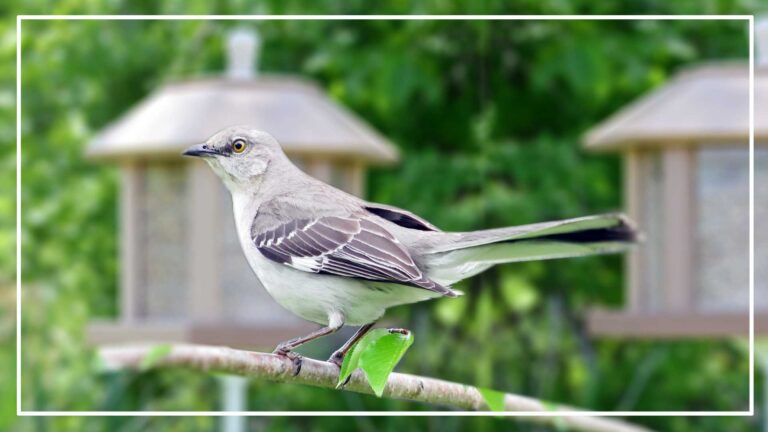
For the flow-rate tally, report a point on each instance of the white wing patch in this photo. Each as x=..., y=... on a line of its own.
x=307, y=264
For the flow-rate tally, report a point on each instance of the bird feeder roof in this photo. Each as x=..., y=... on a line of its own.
x=296, y=112
x=707, y=104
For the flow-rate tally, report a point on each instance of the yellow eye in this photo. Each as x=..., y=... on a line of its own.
x=238, y=146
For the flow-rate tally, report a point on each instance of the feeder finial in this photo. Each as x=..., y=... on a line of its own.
x=243, y=46
x=761, y=41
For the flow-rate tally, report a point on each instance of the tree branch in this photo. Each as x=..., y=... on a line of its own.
x=323, y=374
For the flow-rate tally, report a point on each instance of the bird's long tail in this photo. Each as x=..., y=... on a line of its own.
x=462, y=255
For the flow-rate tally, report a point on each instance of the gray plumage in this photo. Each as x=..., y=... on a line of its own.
x=335, y=259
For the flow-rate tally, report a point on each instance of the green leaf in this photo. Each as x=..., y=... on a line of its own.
x=560, y=424
x=494, y=399
x=376, y=354
x=381, y=357
x=352, y=359
x=154, y=356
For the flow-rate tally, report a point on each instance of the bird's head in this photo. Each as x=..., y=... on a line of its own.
x=239, y=155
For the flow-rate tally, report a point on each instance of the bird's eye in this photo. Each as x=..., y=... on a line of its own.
x=238, y=146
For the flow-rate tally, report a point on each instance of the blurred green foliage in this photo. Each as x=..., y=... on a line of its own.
x=488, y=116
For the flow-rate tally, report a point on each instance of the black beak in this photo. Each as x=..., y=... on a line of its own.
x=200, y=150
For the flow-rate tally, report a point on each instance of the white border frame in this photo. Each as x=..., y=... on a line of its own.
x=749, y=18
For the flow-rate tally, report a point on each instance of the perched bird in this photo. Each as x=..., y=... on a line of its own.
x=335, y=259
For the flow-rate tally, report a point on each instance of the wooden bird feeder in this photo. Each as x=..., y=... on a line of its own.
x=183, y=274
x=686, y=182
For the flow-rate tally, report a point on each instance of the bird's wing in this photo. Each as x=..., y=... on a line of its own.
x=352, y=246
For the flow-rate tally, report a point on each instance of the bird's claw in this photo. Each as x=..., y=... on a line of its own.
x=296, y=359
x=346, y=381
x=336, y=358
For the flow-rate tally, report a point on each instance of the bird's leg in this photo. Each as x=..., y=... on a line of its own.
x=285, y=349
x=337, y=357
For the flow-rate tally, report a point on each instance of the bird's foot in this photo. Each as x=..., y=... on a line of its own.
x=337, y=358
x=296, y=359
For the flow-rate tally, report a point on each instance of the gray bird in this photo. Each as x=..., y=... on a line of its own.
x=335, y=259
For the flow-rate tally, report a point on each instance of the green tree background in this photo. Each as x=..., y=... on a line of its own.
x=488, y=116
